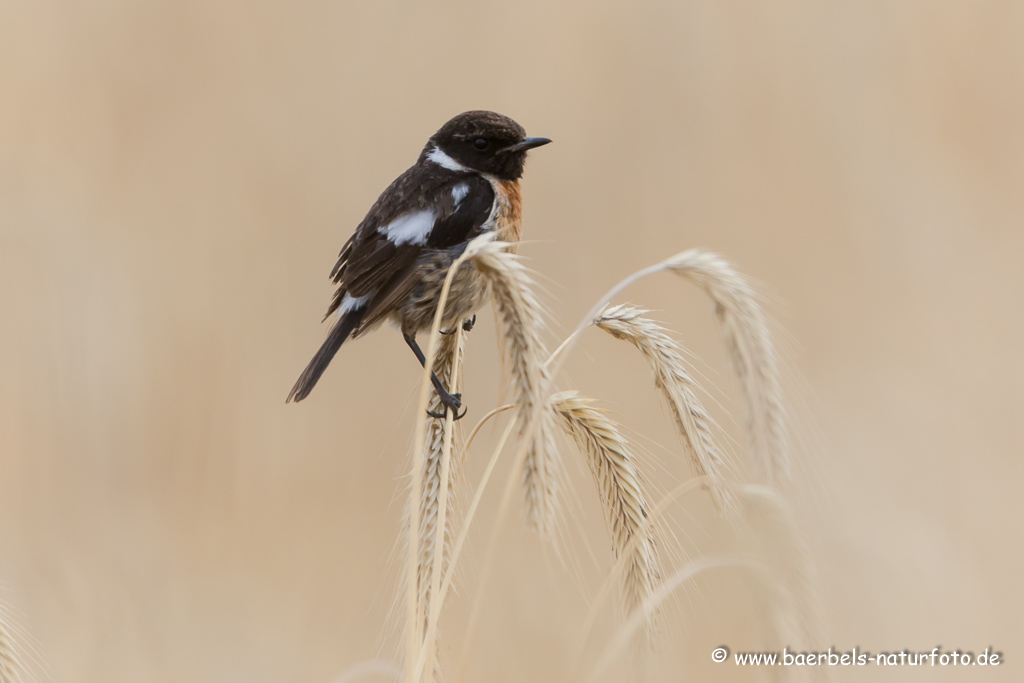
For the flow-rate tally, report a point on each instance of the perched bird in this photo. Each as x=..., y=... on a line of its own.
x=465, y=183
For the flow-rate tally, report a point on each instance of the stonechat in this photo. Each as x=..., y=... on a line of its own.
x=464, y=183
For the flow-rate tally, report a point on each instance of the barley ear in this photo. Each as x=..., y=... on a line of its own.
x=12, y=668
x=751, y=351
x=521, y=321
x=448, y=367
x=421, y=622
x=612, y=462
x=9, y=664
x=678, y=389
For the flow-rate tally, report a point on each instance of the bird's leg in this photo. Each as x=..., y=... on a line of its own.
x=452, y=401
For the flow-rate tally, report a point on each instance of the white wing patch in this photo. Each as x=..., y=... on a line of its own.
x=411, y=228
x=352, y=302
x=445, y=161
x=459, y=192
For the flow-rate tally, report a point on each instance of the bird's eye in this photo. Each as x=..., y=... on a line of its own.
x=481, y=143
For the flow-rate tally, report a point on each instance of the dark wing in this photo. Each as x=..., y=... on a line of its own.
x=473, y=201
x=465, y=207
x=359, y=251
x=423, y=209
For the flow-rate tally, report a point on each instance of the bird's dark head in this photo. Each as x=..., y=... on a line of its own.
x=482, y=141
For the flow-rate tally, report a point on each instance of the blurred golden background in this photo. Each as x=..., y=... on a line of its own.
x=176, y=179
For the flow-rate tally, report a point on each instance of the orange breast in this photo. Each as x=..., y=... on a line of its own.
x=509, y=217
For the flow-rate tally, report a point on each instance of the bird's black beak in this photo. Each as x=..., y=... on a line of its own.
x=527, y=143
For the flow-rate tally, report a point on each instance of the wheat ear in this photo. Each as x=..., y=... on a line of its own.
x=522, y=319
x=678, y=388
x=438, y=475
x=751, y=351
x=613, y=464
x=11, y=666
x=420, y=624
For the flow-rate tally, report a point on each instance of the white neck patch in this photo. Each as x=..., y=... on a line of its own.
x=445, y=161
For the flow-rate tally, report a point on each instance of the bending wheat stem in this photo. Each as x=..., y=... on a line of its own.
x=751, y=351
x=640, y=616
x=794, y=600
x=620, y=564
x=677, y=387
x=483, y=421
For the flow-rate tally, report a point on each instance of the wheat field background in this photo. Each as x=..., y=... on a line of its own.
x=177, y=177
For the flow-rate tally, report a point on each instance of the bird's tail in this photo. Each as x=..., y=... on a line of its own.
x=339, y=333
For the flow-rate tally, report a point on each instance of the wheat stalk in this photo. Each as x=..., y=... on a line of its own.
x=613, y=465
x=620, y=564
x=522, y=319
x=677, y=387
x=751, y=352
x=794, y=604
x=641, y=616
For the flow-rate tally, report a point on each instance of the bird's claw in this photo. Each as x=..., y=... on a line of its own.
x=467, y=326
x=441, y=416
x=451, y=402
